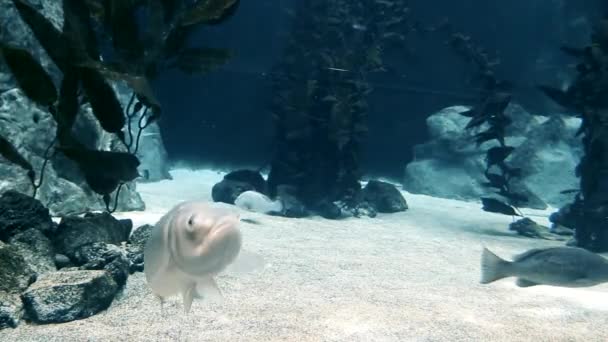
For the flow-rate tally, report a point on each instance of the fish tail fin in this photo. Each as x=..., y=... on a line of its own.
x=493, y=267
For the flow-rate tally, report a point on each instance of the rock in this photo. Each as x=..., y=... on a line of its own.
x=62, y=260
x=449, y=165
x=235, y=183
x=328, y=210
x=135, y=248
x=11, y=310
x=254, y=178
x=27, y=126
x=15, y=274
x=37, y=250
x=529, y=228
x=74, y=232
x=292, y=206
x=65, y=296
x=102, y=256
x=384, y=197
x=361, y=208
x=561, y=230
x=565, y=216
x=140, y=236
x=227, y=191
x=19, y=212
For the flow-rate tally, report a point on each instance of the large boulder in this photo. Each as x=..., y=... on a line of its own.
x=450, y=165
x=65, y=296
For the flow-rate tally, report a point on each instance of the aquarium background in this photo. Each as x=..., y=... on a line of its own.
x=304, y=170
x=524, y=35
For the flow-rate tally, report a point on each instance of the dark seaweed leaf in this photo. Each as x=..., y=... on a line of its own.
x=8, y=151
x=78, y=31
x=487, y=135
x=125, y=32
x=139, y=84
x=495, y=180
x=51, y=39
x=514, y=197
x=476, y=121
x=30, y=75
x=154, y=35
x=498, y=154
x=469, y=113
x=558, y=96
x=493, y=205
x=201, y=60
x=210, y=12
x=573, y=52
x=103, y=170
x=67, y=109
x=105, y=105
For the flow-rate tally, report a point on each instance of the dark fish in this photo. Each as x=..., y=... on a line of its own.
x=498, y=154
x=103, y=100
x=139, y=84
x=210, y=12
x=31, y=77
x=556, y=266
x=493, y=205
x=476, y=120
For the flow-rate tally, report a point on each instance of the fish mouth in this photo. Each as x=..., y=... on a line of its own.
x=219, y=249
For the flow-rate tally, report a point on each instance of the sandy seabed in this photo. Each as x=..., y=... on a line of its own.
x=411, y=276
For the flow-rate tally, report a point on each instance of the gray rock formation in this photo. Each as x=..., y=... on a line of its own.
x=451, y=166
x=15, y=276
x=64, y=296
x=31, y=129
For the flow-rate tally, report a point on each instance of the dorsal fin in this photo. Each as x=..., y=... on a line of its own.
x=527, y=254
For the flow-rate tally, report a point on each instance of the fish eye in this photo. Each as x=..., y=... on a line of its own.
x=191, y=220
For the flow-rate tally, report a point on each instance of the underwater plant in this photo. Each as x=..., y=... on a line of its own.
x=494, y=98
x=587, y=97
x=138, y=53
x=320, y=88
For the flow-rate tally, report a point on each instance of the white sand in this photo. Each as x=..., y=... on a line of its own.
x=410, y=276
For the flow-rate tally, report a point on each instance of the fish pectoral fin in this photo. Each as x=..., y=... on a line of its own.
x=188, y=297
x=246, y=262
x=525, y=283
x=162, y=303
x=207, y=288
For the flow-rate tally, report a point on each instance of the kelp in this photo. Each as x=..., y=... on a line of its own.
x=137, y=57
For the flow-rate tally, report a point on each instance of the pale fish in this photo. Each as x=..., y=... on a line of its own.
x=188, y=247
x=257, y=202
